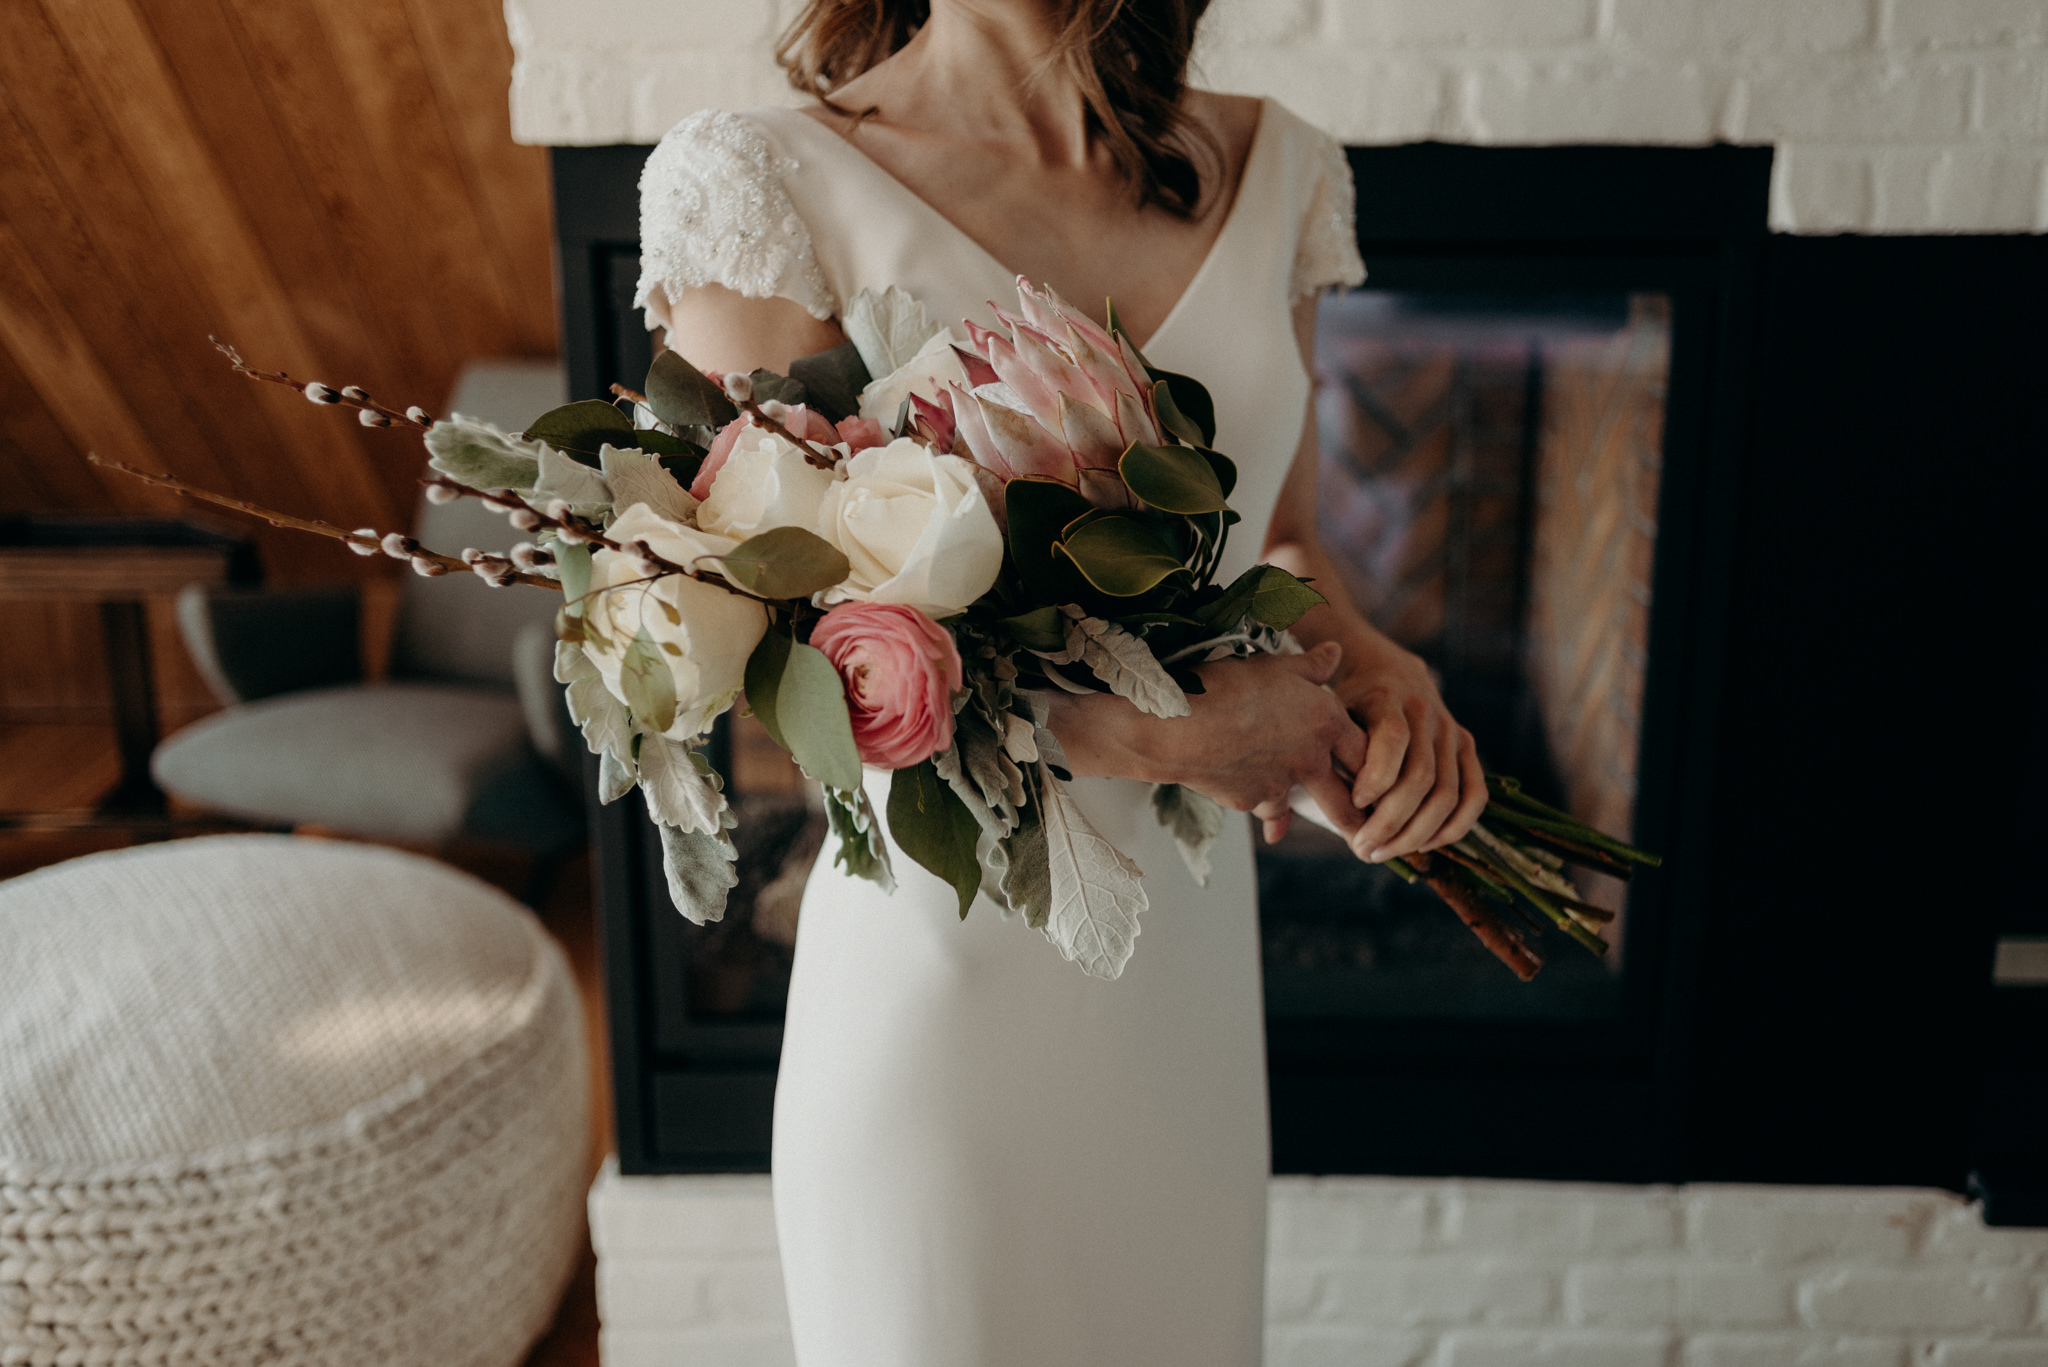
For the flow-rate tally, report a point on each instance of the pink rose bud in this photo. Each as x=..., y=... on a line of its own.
x=860, y=433
x=901, y=670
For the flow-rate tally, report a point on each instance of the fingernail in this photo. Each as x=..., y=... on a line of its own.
x=1378, y=856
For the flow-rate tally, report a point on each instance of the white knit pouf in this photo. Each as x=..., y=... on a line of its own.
x=282, y=1101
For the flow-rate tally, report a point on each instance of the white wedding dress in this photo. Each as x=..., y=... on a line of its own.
x=983, y=1157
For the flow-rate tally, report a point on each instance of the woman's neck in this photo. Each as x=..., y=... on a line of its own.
x=978, y=68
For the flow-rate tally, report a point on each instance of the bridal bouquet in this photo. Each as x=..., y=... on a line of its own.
x=895, y=554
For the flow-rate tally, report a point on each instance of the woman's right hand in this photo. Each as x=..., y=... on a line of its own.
x=1261, y=727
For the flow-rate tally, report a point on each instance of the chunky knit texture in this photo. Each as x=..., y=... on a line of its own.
x=265, y=1100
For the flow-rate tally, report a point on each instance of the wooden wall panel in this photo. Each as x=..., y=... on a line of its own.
x=329, y=184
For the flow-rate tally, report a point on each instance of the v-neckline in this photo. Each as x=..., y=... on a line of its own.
x=1188, y=291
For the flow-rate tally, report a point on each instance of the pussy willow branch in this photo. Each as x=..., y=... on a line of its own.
x=820, y=459
x=348, y=396
x=816, y=456
x=573, y=528
x=361, y=540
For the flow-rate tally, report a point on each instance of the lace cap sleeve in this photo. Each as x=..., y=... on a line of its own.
x=1327, y=253
x=714, y=211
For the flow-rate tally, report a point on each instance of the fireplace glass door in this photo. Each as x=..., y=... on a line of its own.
x=1488, y=486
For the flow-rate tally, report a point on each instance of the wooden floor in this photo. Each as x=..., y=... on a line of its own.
x=67, y=768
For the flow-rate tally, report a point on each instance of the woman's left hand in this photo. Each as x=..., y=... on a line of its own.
x=1421, y=781
x=1421, y=776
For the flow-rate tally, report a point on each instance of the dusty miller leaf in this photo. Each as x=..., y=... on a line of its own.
x=888, y=329
x=949, y=765
x=1098, y=892
x=570, y=480
x=1127, y=667
x=1194, y=820
x=616, y=776
x=862, y=852
x=1026, y=879
x=680, y=791
x=473, y=452
x=636, y=477
x=606, y=727
x=701, y=870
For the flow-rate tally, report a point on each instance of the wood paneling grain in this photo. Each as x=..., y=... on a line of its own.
x=329, y=184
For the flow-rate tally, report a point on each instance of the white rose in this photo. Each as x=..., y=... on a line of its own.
x=765, y=482
x=715, y=632
x=927, y=374
x=915, y=528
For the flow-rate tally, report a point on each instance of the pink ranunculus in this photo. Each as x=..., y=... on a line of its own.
x=812, y=427
x=901, y=670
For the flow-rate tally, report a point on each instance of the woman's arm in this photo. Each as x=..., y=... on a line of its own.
x=1421, y=776
x=1260, y=728
x=715, y=328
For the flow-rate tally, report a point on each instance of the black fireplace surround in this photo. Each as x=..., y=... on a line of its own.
x=1839, y=725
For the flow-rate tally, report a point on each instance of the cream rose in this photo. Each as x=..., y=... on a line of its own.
x=705, y=650
x=927, y=374
x=763, y=482
x=915, y=528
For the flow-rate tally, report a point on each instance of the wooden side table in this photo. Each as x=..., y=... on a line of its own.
x=118, y=562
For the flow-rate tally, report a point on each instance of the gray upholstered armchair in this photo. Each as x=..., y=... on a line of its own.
x=467, y=738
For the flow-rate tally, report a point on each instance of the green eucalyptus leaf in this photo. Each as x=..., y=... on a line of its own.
x=764, y=679
x=682, y=396
x=1170, y=416
x=1280, y=599
x=1173, y=479
x=785, y=562
x=1190, y=399
x=1120, y=556
x=656, y=443
x=1038, y=512
x=933, y=826
x=572, y=563
x=810, y=709
x=1040, y=629
x=780, y=388
x=1225, y=468
x=649, y=686
x=833, y=380
x=582, y=429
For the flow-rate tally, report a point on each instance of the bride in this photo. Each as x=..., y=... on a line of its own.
x=983, y=1157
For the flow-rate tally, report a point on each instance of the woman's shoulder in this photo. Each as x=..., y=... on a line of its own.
x=714, y=209
x=717, y=142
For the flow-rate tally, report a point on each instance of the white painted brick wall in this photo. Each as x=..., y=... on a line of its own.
x=1397, y=1272
x=1891, y=116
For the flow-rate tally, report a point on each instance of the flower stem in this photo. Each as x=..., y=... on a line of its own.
x=1497, y=935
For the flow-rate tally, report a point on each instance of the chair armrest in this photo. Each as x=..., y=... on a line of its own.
x=256, y=643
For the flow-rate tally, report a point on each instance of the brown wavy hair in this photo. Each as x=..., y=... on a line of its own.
x=1129, y=58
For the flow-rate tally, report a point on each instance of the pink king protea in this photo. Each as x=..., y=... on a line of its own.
x=1058, y=398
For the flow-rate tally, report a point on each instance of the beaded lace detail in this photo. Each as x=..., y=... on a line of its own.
x=1328, y=251
x=714, y=211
